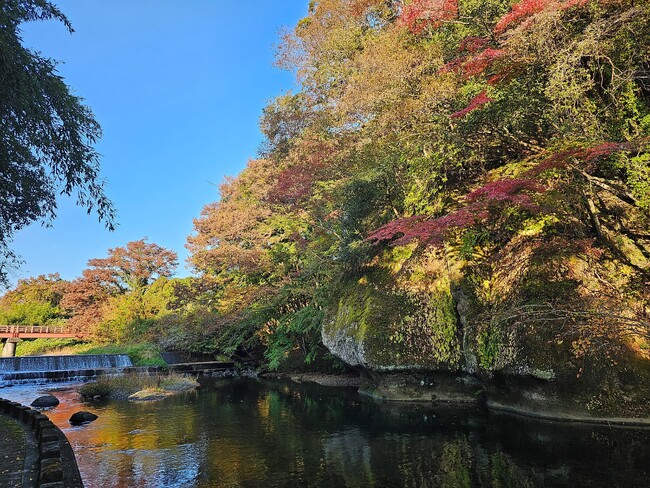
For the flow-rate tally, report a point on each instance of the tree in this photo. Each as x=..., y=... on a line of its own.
x=84, y=299
x=132, y=267
x=34, y=301
x=233, y=234
x=478, y=129
x=124, y=276
x=46, y=133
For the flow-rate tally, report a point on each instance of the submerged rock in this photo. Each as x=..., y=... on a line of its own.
x=45, y=401
x=148, y=395
x=82, y=417
x=167, y=389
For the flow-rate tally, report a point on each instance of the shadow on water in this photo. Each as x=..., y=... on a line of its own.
x=248, y=433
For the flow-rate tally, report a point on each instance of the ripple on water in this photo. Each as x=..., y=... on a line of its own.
x=259, y=434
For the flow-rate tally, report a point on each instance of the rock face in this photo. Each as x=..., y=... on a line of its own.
x=45, y=401
x=537, y=331
x=82, y=417
x=387, y=331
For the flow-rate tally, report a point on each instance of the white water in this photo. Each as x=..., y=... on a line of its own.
x=63, y=363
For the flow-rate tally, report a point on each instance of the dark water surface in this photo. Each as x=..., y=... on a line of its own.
x=249, y=433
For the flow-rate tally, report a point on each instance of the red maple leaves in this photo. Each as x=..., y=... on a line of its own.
x=486, y=201
x=476, y=62
x=428, y=14
x=562, y=159
x=482, y=202
x=477, y=102
x=527, y=8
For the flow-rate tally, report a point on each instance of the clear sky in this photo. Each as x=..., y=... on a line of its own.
x=178, y=88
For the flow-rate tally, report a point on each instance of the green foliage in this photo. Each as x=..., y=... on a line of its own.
x=32, y=313
x=639, y=179
x=471, y=240
x=34, y=301
x=144, y=354
x=489, y=346
x=295, y=329
x=47, y=133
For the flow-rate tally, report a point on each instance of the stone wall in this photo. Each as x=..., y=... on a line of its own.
x=56, y=465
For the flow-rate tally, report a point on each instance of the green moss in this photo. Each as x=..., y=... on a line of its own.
x=361, y=309
x=394, y=258
x=489, y=344
x=397, y=328
x=539, y=225
x=432, y=328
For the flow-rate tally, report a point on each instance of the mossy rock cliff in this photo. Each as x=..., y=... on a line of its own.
x=551, y=324
x=382, y=323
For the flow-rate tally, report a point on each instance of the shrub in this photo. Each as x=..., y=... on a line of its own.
x=121, y=387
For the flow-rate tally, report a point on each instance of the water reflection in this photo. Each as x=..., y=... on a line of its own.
x=245, y=433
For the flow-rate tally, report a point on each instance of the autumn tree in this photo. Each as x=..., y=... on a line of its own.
x=472, y=126
x=84, y=299
x=117, y=285
x=132, y=267
x=232, y=234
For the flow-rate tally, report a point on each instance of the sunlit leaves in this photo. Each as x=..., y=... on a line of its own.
x=427, y=121
x=419, y=15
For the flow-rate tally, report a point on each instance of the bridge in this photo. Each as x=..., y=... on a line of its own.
x=13, y=333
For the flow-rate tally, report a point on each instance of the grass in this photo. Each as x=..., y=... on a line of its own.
x=141, y=354
x=121, y=387
x=39, y=347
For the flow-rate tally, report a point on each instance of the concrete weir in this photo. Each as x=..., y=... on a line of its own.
x=59, y=368
x=47, y=369
x=64, y=363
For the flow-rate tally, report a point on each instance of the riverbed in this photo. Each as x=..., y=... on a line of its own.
x=253, y=433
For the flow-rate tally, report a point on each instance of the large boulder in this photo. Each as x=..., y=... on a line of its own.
x=394, y=319
x=45, y=401
x=535, y=328
x=82, y=417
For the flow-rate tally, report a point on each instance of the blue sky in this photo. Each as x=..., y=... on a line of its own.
x=178, y=88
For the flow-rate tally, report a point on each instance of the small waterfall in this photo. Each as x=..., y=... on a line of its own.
x=63, y=363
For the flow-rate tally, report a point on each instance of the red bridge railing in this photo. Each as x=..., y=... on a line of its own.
x=34, y=331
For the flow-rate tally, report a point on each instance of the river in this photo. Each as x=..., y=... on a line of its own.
x=250, y=433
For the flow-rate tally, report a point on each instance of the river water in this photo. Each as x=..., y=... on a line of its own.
x=250, y=433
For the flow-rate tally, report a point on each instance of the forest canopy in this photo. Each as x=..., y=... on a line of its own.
x=491, y=150
x=440, y=124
